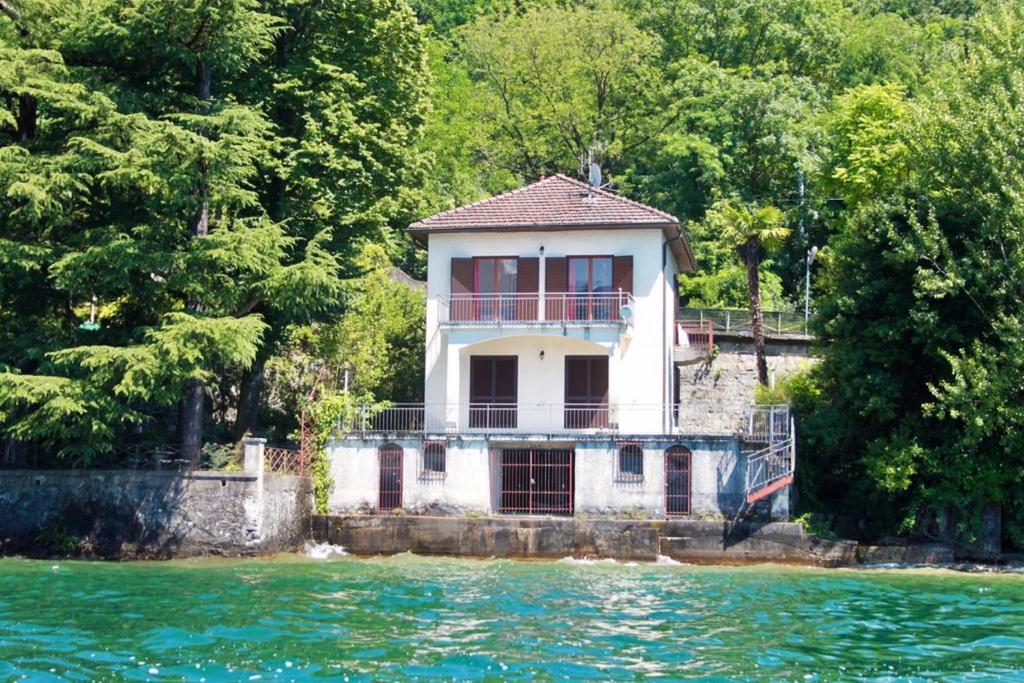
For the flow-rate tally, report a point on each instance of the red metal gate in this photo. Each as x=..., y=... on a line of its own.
x=537, y=481
x=390, y=489
x=677, y=481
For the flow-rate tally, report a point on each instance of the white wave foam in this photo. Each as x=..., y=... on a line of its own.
x=588, y=560
x=323, y=551
x=665, y=559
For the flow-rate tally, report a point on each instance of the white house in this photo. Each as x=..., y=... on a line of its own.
x=551, y=386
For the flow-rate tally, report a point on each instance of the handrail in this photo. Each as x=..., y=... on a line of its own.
x=770, y=465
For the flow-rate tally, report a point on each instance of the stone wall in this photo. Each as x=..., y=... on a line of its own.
x=681, y=540
x=713, y=396
x=127, y=513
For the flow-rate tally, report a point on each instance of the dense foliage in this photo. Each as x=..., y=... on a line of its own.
x=229, y=188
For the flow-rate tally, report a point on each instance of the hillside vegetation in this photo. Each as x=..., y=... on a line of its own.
x=201, y=202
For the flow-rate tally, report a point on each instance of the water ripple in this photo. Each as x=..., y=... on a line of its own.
x=409, y=617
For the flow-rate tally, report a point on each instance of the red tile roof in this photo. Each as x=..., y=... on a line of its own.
x=556, y=201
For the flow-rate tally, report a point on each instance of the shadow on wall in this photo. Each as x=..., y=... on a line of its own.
x=91, y=514
x=135, y=514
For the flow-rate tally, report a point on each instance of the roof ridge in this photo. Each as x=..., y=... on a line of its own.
x=614, y=195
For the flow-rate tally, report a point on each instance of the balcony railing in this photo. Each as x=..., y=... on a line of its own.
x=695, y=334
x=557, y=307
x=753, y=423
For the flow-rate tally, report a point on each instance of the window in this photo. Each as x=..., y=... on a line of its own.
x=493, y=391
x=590, y=286
x=586, y=392
x=493, y=278
x=630, y=463
x=433, y=465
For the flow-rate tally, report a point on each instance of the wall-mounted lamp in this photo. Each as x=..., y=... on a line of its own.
x=542, y=250
x=542, y=355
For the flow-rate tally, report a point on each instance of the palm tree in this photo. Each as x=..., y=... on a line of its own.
x=754, y=231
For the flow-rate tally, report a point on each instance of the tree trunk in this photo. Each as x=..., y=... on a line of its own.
x=27, y=117
x=191, y=427
x=193, y=407
x=249, y=400
x=752, y=258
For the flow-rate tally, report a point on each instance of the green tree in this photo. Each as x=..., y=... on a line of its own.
x=753, y=231
x=923, y=302
x=347, y=115
x=559, y=82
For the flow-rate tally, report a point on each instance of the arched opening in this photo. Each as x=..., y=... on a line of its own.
x=629, y=465
x=434, y=463
x=677, y=480
x=389, y=496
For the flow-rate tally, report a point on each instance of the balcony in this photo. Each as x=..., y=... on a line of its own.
x=753, y=423
x=694, y=340
x=561, y=308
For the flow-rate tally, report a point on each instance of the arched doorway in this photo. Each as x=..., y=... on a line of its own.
x=389, y=495
x=677, y=480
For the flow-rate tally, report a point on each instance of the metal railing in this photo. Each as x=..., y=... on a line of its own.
x=755, y=424
x=284, y=460
x=771, y=465
x=696, y=334
x=563, y=307
x=737, y=320
x=767, y=423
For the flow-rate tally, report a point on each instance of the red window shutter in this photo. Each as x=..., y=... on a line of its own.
x=556, y=281
x=528, y=282
x=556, y=275
x=622, y=274
x=462, y=276
x=529, y=269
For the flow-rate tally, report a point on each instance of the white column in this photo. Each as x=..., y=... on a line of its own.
x=541, y=287
x=456, y=407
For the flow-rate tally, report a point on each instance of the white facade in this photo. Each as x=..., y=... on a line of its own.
x=639, y=350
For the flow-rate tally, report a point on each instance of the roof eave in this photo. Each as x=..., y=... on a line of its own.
x=419, y=228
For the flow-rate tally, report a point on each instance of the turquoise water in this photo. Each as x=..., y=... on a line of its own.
x=294, y=618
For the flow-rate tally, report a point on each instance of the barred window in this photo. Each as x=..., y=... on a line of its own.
x=630, y=463
x=433, y=459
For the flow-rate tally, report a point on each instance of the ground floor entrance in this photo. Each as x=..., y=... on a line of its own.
x=389, y=486
x=677, y=481
x=537, y=481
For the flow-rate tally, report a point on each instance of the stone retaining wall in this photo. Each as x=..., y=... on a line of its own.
x=681, y=540
x=127, y=514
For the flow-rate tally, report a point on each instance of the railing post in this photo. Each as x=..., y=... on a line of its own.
x=728, y=317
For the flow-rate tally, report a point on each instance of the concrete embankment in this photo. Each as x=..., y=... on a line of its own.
x=533, y=537
x=126, y=514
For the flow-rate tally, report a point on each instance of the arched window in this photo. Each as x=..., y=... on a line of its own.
x=629, y=465
x=433, y=464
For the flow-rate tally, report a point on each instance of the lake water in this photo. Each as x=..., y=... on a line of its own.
x=296, y=618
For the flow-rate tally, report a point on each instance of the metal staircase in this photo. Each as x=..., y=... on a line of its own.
x=771, y=467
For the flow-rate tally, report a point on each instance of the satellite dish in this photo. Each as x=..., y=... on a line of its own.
x=595, y=175
x=626, y=312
